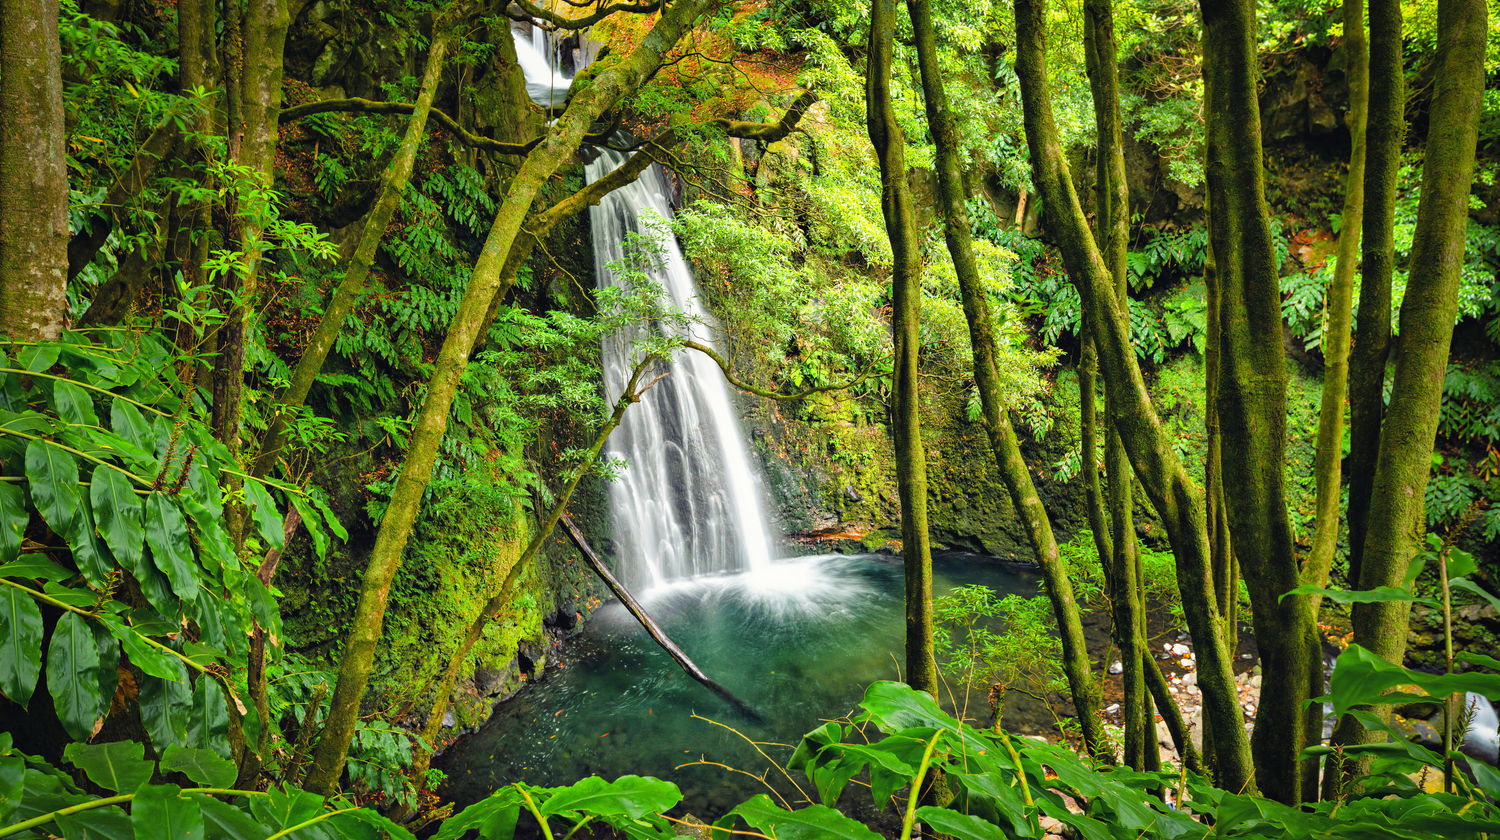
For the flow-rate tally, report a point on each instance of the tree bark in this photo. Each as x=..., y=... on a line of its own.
x=911, y=460
x=33, y=173
x=1428, y=312
x=614, y=81
x=1176, y=498
x=1252, y=391
x=1002, y=436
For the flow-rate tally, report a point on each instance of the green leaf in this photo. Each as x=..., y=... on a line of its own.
x=167, y=534
x=1360, y=677
x=165, y=707
x=815, y=822
x=119, y=766
x=12, y=781
x=208, y=724
x=961, y=826
x=53, y=480
x=224, y=821
x=161, y=812
x=150, y=659
x=34, y=567
x=20, y=644
x=1473, y=588
x=74, y=405
x=283, y=809
x=203, y=766
x=126, y=421
x=1478, y=659
x=88, y=555
x=74, y=678
x=495, y=815
x=633, y=796
x=312, y=523
x=117, y=513
x=267, y=518
x=95, y=824
x=13, y=520
x=1378, y=595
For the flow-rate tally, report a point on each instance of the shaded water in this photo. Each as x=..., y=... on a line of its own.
x=799, y=642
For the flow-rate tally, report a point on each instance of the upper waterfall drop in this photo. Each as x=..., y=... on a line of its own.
x=688, y=502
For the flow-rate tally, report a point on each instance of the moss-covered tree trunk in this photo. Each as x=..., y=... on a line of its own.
x=1252, y=391
x=906, y=277
x=1428, y=312
x=33, y=173
x=614, y=80
x=1176, y=498
x=347, y=293
x=1385, y=134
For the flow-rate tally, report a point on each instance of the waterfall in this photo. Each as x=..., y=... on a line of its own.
x=688, y=502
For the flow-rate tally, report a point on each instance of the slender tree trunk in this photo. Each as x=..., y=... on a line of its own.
x=33, y=173
x=1328, y=457
x=1171, y=491
x=347, y=294
x=1252, y=391
x=1385, y=134
x=1428, y=312
x=615, y=80
x=1003, y=443
x=911, y=460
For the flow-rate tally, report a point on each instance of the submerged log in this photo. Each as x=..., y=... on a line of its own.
x=652, y=628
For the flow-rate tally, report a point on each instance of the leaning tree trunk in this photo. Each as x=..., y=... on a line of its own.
x=1002, y=436
x=1252, y=391
x=614, y=81
x=1428, y=312
x=911, y=460
x=1328, y=457
x=1176, y=498
x=33, y=173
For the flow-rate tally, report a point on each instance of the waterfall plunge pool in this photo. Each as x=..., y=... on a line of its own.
x=798, y=641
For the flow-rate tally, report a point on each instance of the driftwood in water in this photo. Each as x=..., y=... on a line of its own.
x=652, y=628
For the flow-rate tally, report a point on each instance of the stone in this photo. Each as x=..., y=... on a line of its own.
x=1117, y=667
x=1186, y=662
x=1180, y=649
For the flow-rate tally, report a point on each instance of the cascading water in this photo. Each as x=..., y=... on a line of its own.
x=688, y=502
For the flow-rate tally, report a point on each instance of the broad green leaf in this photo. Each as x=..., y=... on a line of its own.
x=88, y=554
x=13, y=519
x=95, y=824
x=283, y=809
x=633, y=796
x=1001, y=794
x=1460, y=563
x=208, y=724
x=161, y=812
x=151, y=660
x=496, y=812
x=1378, y=595
x=814, y=822
x=213, y=540
x=52, y=475
x=1478, y=659
x=894, y=706
x=20, y=644
x=961, y=826
x=74, y=678
x=74, y=404
x=203, y=766
x=37, y=358
x=171, y=552
x=330, y=519
x=12, y=781
x=117, y=513
x=119, y=766
x=34, y=567
x=224, y=821
x=126, y=421
x=268, y=521
x=165, y=707
x=312, y=523
x=1360, y=677
x=1486, y=777
x=385, y=828
x=1470, y=586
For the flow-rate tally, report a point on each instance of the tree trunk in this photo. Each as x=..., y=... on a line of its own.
x=1252, y=391
x=1328, y=457
x=347, y=294
x=33, y=173
x=1171, y=491
x=1426, y=332
x=614, y=81
x=911, y=460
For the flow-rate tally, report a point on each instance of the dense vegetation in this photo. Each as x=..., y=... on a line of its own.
x=300, y=371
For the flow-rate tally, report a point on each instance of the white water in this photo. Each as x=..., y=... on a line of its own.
x=688, y=502
x=1482, y=741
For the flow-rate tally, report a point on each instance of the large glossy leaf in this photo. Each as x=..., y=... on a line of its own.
x=171, y=551
x=382, y=827
x=1473, y=588
x=208, y=724
x=73, y=676
x=165, y=708
x=151, y=660
x=633, y=796
x=161, y=812
x=94, y=824
x=202, y=765
x=117, y=513
x=283, y=809
x=52, y=477
x=74, y=404
x=20, y=644
x=88, y=554
x=268, y=521
x=814, y=822
x=1359, y=677
x=13, y=519
x=494, y=816
x=12, y=782
x=961, y=826
x=1378, y=595
x=126, y=421
x=34, y=567
x=312, y=523
x=119, y=766
x=224, y=821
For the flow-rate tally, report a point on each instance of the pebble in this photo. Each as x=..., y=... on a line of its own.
x=1113, y=708
x=1180, y=649
x=1187, y=662
x=1117, y=667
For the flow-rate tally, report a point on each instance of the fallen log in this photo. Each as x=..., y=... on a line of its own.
x=652, y=628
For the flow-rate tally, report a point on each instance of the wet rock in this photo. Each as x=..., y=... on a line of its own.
x=1117, y=667
x=565, y=619
x=1180, y=649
